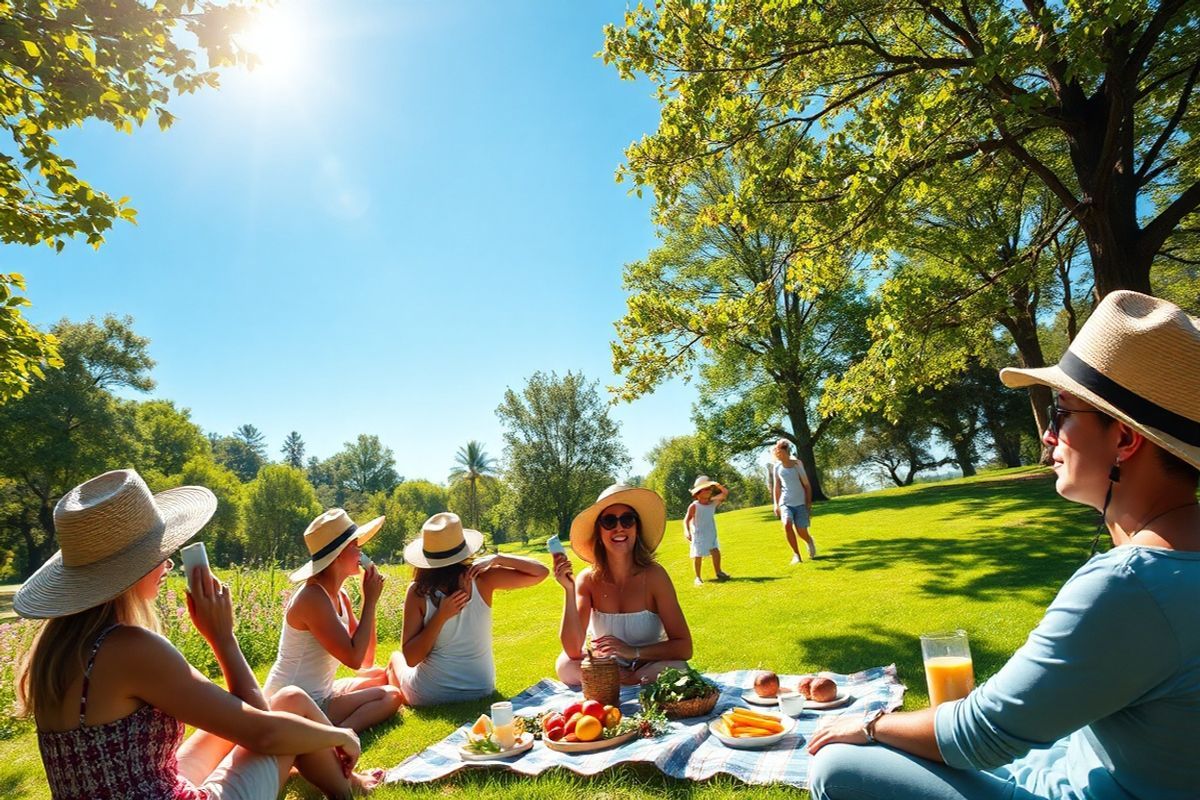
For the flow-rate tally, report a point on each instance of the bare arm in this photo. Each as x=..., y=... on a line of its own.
x=313, y=611
x=577, y=606
x=157, y=674
x=507, y=572
x=369, y=658
x=687, y=521
x=211, y=611
x=721, y=496
x=420, y=636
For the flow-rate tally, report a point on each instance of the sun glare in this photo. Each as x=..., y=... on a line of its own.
x=278, y=40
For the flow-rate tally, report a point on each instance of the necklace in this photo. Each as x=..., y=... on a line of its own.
x=1160, y=515
x=1104, y=517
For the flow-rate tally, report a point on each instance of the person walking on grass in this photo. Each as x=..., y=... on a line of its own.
x=320, y=631
x=700, y=525
x=111, y=697
x=792, y=494
x=1103, y=699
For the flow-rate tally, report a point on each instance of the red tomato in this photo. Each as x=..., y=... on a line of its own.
x=574, y=708
x=594, y=709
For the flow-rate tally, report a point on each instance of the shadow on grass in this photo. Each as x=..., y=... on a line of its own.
x=747, y=579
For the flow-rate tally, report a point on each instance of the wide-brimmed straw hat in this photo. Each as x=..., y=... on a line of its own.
x=1137, y=358
x=112, y=532
x=702, y=483
x=444, y=541
x=651, y=511
x=328, y=535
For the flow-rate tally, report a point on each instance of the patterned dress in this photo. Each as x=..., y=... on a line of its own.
x=132, y=757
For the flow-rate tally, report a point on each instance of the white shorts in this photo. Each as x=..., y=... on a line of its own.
x=252, y=777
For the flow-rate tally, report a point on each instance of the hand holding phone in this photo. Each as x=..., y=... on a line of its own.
x=192, y=556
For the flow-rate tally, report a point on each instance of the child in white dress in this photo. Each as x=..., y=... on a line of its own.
x=700, y=525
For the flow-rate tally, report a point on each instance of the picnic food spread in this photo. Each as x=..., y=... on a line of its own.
x=680, y=694
x=742, y=723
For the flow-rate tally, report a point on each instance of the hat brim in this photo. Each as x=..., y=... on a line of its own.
x=57, y=590
x=1055, y=378
x=651, y=511
x=708, y=485
x=364, y=534
x=414, y=553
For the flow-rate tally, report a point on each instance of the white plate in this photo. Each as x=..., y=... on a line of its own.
x=750, y=696
x=842, y=699
x=524, y=742
x=755, y=742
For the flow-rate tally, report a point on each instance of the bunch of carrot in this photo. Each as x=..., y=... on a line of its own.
x=742, y=723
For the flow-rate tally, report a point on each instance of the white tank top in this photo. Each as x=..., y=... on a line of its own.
x=303, y=661
x=460, y=665
x=704, y=521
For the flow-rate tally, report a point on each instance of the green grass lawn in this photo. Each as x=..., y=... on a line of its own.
x=986, y=554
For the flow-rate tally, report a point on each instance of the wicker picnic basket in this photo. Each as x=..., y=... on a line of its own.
x=692, y=707
x=601, y=679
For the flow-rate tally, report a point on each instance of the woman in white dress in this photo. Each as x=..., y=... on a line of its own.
x=447, y=652
x=625, y=600
x=700, y=525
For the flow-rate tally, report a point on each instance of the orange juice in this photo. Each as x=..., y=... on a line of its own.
x=949, y=678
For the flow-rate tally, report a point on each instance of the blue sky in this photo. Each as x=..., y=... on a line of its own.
x=410, y=208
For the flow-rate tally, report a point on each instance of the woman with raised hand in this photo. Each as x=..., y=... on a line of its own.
x=625, y=600
x=320, y=630
x=110, y=696
x=447, y=652
x=1103, y=700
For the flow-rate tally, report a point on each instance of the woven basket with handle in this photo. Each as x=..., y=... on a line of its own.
x=601, y=679
x=692, y=707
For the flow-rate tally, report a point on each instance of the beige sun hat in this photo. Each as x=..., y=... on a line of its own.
x=651, y=511
x=112, y=531
x=330, y=534
x=702, y=482
x=444, y=541
x=1137, y=358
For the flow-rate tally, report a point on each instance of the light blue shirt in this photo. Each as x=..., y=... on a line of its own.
x=1103, y=700
x=791, y=487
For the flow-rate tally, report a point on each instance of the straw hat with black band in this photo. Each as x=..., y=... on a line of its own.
x=328, y=535
x=444, y=541
x=651, y=511
x=702, y=483
x=112, y=531
x=1137, y=358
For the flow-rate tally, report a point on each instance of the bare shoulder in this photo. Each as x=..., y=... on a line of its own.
x=134, y=648
x=658, y=578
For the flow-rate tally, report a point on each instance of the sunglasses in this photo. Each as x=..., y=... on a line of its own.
x=1056, y=414
x=611, y=521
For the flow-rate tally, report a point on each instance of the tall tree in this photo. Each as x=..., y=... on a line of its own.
x=67, y=62
x=369, y=466
x=293, y=450
x=766, y=329
x=225, y=534
x=886, y=97
x=168, y=437
x=253, y=438
x=235, y=454
x=69, y=426
x=675, y=463
x=561, y=447
x=474, y=465
x=406, y=508
x=280, y=503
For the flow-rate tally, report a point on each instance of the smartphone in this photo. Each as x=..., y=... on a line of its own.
x=555, y=546
x=194, y=555
x=364, y=560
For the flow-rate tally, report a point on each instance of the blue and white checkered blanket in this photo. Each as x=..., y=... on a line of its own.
x=685, y=751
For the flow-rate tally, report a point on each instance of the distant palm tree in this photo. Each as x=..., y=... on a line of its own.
x=473, y=464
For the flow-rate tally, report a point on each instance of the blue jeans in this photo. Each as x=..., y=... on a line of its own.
x=876, y=772
x=797, y=514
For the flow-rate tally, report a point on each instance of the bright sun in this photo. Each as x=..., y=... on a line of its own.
x=278, y=40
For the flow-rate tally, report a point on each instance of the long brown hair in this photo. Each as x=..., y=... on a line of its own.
x=429, y=580
x=61, y=648
x=642, y=556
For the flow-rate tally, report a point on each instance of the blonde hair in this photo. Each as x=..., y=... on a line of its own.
x=778, y=444
x=61, y=649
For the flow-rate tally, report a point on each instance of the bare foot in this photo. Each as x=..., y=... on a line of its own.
x=363, y=783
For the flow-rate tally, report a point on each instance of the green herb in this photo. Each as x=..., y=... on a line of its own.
x=484, y=744
x=673, y=685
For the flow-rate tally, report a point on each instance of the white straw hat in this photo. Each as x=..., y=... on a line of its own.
x=651, y=511
x=330, y=534
x=444, y=541
x=1137, y=358
x=703, y=482
x=112, y=532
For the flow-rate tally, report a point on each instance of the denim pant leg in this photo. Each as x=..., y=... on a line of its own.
x=851, y=772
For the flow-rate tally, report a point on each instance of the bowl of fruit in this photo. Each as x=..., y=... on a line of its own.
x=587, y=726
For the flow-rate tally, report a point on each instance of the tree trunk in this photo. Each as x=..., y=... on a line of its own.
x=963, y=456
x=797, y=411
x=1023, y=328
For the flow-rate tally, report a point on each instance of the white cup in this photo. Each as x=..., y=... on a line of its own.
x=791, y=703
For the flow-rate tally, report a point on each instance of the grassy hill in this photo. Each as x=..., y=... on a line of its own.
x=986, y=554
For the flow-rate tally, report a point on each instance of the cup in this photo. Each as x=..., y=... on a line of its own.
x=948, y=667
x=791, y=703
x=364, y=560
x=502, y=725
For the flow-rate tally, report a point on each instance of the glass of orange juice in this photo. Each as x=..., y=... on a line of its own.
x=948, y=667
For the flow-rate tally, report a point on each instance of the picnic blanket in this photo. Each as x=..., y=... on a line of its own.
x=685, y=751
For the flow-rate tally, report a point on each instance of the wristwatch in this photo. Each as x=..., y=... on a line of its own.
x=868, y=727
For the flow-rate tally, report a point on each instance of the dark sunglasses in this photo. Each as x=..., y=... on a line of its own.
x=1056, y=414
x=610, y=521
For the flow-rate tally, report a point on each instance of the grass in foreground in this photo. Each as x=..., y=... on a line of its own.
x=986, y=554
